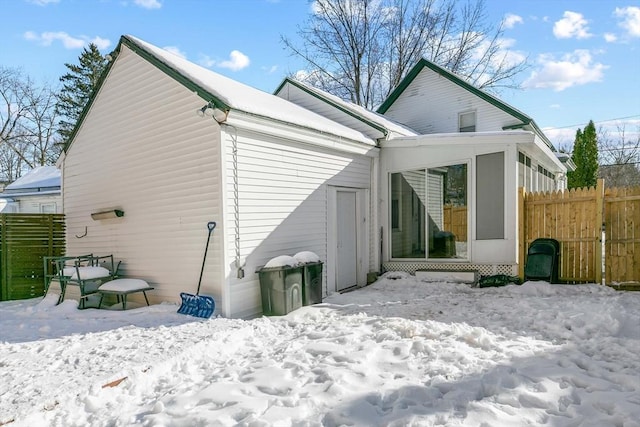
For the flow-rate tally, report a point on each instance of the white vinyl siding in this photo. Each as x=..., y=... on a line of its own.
x=432, y=104
x=35, y=204
x=144, y=150
x=282, y=201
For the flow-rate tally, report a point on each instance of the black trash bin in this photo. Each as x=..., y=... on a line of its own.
x=312, y=283
x=280, y=289
x=444, y=244
x=311, y=277
x=543, y=260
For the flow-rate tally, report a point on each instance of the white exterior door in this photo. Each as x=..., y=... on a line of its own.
x=347, y=240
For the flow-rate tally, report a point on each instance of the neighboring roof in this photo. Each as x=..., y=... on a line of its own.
x=228, y=94
x=566, y=160
x=370, y=118
x=38, y=179
x=525, y=120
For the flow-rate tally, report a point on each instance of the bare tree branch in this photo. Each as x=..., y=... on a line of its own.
x=27, y=124
x=360, y=50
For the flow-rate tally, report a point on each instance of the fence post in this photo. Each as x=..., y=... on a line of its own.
x=599, y=225
x=4, y=291
x=521, y=233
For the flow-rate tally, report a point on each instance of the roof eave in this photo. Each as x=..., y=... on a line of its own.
x=534, y=127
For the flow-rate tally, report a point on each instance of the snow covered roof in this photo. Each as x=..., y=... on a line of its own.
x=41, y=177
x=229, y=94
x=371, y=118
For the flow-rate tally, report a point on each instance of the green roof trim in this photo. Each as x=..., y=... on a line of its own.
x=319, y=96
x=413, y=73
x=171, y=72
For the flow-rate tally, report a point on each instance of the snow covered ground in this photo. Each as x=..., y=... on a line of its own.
x=399, y=352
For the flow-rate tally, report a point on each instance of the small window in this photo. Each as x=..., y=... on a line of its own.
x=48, y=208
x=467, y=121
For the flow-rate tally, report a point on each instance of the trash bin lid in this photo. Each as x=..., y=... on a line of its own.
x=306, y=257
x=281, y=261
x=544, y=246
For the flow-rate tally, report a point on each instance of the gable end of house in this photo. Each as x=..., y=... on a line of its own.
x=165, y=68
x=526, y=122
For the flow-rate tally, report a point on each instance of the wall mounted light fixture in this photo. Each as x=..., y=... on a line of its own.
x=113, y=213
x=210, y=110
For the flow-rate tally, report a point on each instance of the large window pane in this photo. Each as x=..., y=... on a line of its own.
x=428, y=213
x=447, y=211
x=408, y=195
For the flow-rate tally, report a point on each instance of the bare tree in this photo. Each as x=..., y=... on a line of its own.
x=619, y=157
x=27, y=124
x=360, y=50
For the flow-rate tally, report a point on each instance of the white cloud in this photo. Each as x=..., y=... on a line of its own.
x=237, y=61
x=630, y=19
x=206, y=61
x=69, y=42
x=148, y=4
x=101, y=43
x=504, y=56
x=271, y=69
x=610, y=37
x=43, y=2
x=572, y=25
x=176, y=51
x=510, y=20
x=577, y=68
x=562, y=138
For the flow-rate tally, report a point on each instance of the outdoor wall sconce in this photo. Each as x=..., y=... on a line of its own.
x=210, y=109
x=114, y=213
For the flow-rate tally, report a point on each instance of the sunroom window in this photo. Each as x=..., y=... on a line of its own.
x=430, y=213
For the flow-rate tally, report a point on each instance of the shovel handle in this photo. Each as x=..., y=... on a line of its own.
x=210, y=226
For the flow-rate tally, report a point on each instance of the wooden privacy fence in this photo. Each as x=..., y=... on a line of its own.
x=598, y=231
x=622, y=231
x=455, y=221
x=24, y=240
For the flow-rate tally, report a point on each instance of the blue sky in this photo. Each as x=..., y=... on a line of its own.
x=584, y=55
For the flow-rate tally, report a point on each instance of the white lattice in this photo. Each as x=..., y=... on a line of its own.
x=483, y=269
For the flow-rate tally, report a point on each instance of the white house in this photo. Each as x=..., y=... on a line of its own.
x=452, y=158
x=428, y=181
x=37, y=191
x=449, y=196
x=174, y=146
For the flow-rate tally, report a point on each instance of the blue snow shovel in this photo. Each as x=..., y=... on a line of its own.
x=199, y=305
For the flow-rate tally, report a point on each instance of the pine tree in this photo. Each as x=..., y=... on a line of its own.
x=585, y=157
x=77, y=87
x=590, y=165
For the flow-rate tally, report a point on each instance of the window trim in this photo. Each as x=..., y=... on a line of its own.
x=470, y=209
x=467, y=128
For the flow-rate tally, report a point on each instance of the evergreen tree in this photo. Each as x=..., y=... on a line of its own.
x=585, y=157
x=77, y=87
